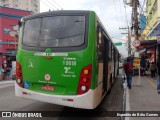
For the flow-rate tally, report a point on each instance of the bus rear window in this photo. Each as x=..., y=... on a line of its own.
x=55, y=31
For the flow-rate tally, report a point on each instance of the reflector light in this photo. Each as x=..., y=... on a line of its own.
x=18, y=67
x=71, y=100
x=18, y=80
x=83, y=88
x=65, y=99
x=19, y=74
x=25, y=93
x=19, y=77
x=86, y=72
x=84, y=80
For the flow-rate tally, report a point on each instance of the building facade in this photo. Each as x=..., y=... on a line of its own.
x=152, y=19
x=151, y=31
x=9, y=18
x=29, y=5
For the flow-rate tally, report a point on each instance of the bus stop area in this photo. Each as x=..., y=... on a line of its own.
x=142, y=100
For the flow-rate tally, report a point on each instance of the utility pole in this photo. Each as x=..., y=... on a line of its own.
x=129, y=40
x=135, y=4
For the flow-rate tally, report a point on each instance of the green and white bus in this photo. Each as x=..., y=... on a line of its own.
x=65, y=58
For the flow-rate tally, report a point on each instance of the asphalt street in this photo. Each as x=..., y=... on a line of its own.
x=112, y=102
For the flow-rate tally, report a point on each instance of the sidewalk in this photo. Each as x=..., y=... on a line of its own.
x=143, y=97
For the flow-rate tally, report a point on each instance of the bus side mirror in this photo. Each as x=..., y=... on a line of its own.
x=19, y=24
x=16, y=36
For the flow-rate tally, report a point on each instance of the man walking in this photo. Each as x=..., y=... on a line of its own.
x=158, y=80
x=128, y=68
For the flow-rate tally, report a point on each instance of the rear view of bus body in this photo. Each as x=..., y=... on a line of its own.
x=57, y=59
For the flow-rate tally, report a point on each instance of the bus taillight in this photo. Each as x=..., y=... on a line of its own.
x=19, y=78
x=84, y=80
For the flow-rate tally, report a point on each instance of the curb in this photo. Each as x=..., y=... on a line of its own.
x=124, y=97
x=7, y=81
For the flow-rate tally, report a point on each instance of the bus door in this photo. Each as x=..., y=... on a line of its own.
x=102, y=58
x=105, y=64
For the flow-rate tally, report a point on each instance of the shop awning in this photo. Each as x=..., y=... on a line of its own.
x=142, y=51
x=148, y=42
x=152, y=46
x=12, y=53
x=8, y=42
x=155, y=30
x=149, y=47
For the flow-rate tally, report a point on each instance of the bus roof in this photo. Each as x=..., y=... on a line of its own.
x=59, y=12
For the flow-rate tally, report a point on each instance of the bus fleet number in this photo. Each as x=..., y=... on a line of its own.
x=69, y=63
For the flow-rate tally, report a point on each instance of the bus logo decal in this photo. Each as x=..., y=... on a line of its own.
x=67, y=69
x=31, y=63
x=47, y=77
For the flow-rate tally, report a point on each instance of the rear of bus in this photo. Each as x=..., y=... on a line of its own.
x=56, y=59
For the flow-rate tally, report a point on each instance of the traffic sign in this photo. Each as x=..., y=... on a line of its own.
x=118, y=44
x=136, y=43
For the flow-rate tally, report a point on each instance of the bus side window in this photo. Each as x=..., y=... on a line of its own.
x=100, y=44
x=109, y=51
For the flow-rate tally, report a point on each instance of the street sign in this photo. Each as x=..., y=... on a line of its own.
x=118, y=44
x=136, y=62
x=136, y=43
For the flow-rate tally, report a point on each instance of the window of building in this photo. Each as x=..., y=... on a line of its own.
x=154, y=9
x=149, y=2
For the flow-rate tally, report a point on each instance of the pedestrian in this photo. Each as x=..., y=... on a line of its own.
x=128, y=68
x=148, y=65
x=152, y=69
x=158, y=80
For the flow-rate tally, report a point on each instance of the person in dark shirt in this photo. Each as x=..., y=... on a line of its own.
x=128, y=68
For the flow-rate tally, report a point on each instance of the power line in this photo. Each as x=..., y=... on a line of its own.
x=46, y=5
x=120, y=10
x=125, y=12
x=116, y=13
x=52, y=4
x=57, y=4
x=142, y=7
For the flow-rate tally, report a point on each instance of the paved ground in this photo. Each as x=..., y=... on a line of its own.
x=112, y=102
x=143, y=98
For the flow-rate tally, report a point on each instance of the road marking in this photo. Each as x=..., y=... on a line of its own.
x=154, y=86
x=127, y=100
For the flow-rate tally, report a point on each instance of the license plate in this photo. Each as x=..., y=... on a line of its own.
x=48, y=87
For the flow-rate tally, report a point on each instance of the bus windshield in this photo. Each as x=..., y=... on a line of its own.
x=54, y=31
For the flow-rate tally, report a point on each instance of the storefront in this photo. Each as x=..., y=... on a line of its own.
x=9, y=18
x=153, y=52
x=148, y=50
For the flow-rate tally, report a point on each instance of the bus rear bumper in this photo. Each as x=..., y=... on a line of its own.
x=90, y=100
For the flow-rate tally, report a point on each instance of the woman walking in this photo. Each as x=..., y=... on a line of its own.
x=152, y=69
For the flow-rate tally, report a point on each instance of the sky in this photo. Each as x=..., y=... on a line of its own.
x=111, y=13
